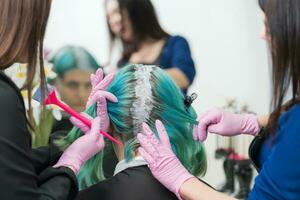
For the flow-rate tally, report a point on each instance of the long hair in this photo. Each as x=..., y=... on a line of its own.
x=167, y=104
x=144, y=22
x=22, y=30
x=283, y=27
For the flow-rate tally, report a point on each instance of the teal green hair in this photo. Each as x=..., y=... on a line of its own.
x=168, y=106
x=70, y=57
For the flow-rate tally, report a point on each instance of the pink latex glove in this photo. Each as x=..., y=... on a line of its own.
x=83, y=148
x=162, y=161
x=225, y=123
x=98, y=87
x=99, y=95
x=79, y=124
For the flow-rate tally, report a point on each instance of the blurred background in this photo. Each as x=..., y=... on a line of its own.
x=231, y=60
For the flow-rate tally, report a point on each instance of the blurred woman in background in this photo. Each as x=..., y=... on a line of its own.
x=135, y=25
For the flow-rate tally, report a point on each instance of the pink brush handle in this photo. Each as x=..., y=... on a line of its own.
x=83, y=119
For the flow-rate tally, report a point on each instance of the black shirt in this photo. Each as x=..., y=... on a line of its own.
x=24, y=172
x=62, y=125
x=136, y=183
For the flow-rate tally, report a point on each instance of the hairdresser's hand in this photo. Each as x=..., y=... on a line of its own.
x=100, y=96
x=225, y=123
x=79, y=124
x=161, y=160
x=83, y=148
x=98, y=87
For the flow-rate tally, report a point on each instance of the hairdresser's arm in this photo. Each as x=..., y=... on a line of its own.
x=19, y=177
x=179, y=77
x=263, y=120
x=193, y=189
x=182, y=67
x=44, y=157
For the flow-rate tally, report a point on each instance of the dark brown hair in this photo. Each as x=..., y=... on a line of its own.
x=283, y=27
x=22, y=30
x=144, y=22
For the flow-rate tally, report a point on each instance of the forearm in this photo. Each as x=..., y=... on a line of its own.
x=263, y=120
x=179, y=77
x=193, y=189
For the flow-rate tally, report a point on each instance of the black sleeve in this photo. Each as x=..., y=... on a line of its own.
x=19, y=179
x=44, y=157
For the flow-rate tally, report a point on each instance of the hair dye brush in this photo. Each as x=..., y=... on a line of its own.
x=51, y=99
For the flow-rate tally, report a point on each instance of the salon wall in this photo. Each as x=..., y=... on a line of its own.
x=224, y=37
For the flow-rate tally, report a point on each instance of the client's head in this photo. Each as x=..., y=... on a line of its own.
x=74, y=66
x=145, y=93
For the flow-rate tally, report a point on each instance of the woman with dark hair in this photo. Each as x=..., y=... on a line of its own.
x=276, y=148
x=134, y=23
x=25, y=173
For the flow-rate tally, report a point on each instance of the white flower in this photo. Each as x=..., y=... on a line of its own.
x=49, y=73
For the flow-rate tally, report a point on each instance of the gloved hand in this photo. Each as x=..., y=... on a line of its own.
x=225, y=123
x=83, y=148
x=162, y=161
x=79, y=124
x=99, y=95
x=98, y=87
